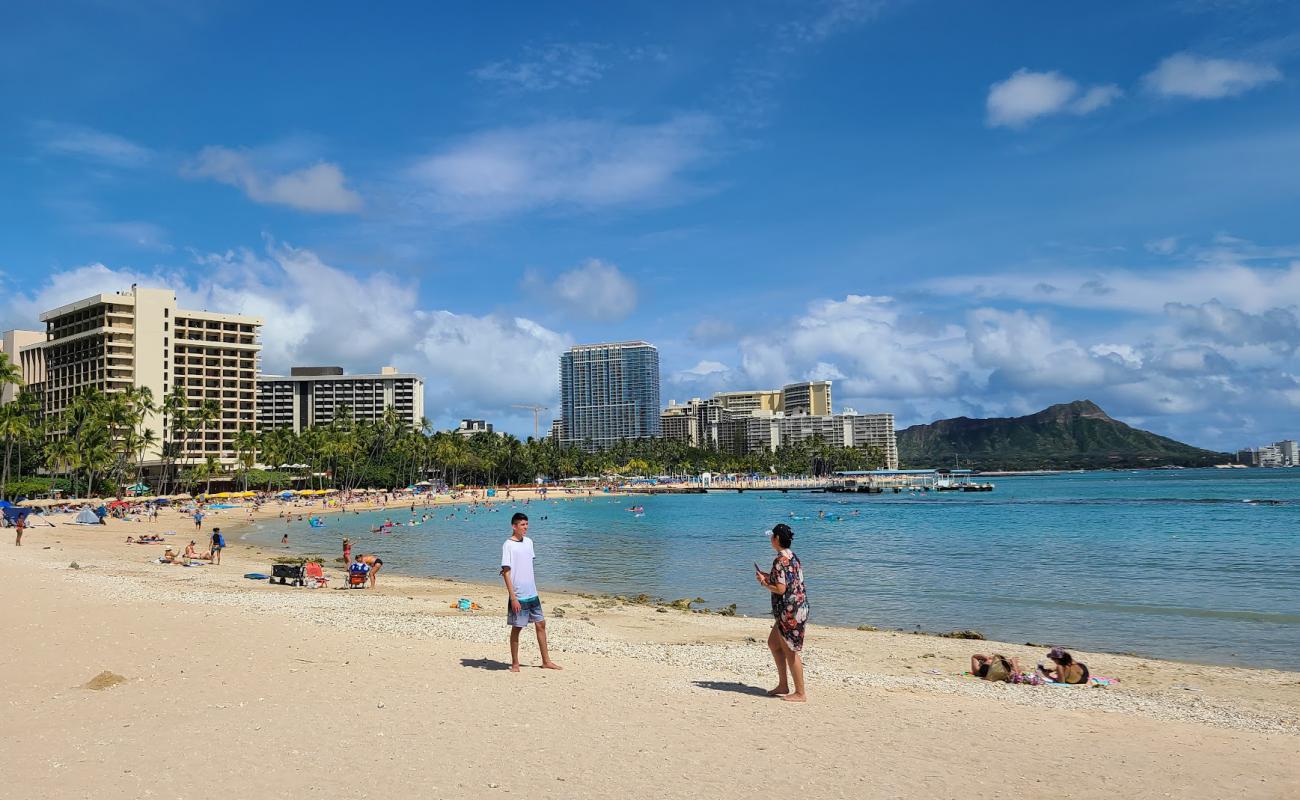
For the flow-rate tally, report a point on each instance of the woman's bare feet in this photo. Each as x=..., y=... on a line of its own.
x=551, y=665
x=778, y=691
x=797, y=697
x=514, y=667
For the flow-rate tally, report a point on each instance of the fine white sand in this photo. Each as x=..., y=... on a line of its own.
x=239, y=688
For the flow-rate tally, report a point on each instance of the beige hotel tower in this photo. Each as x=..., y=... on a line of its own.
x=141, y=338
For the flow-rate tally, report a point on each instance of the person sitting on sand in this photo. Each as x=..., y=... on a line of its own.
x=192, y=552
x=996, y=667
x=168, y=557
x=1067, y=669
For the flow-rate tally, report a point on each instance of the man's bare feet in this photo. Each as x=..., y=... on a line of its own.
x=551, y=665
x=797, y=697
x=514, y=667
x=778, y=691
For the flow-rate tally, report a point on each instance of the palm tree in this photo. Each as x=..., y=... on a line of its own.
x=15, y=425
x=246, y=451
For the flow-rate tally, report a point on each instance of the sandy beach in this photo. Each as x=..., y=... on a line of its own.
x=231, y=686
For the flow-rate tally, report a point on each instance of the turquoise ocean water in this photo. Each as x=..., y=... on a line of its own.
x=1177, y=564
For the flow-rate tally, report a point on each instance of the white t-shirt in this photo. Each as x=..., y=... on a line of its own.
x=519, y=557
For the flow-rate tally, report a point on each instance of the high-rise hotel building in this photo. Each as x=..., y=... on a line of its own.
x=317, y=395
x=609, y=392
x=141, y=338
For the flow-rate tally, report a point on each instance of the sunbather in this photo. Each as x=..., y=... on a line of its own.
x=996, y=667
x=1067, y=669
x=168, y=557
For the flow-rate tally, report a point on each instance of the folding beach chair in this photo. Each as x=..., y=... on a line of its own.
x=315, y=575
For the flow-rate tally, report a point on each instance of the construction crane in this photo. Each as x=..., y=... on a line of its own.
x=537, y=412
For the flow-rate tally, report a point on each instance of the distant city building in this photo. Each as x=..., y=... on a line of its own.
x=469, y=427
x=1278, y=454
x=749, y=402
x=771, y=431
x=680, y=423
x=609, y=392
x=557, y=430
x=141, y=339
x=26, y=352
x=751, y=421
x=310, y=396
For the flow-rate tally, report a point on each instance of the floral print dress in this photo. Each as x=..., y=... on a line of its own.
x=791, y=607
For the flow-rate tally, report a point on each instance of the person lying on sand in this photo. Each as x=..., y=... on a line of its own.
x=1067, y=669
x=996, y=667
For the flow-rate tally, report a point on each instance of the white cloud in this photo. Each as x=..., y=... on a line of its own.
x=703, y=368
x=318, y=188
x=552, y=66
x=318, y=313
x=594, y=290
x=1163, y=247
x=1220, y=275
x=1097, y=97
x=145, y=235
x=1028, y=95
x=711, y=331
x=1187, y=75
x=828, y=18
x=569, y=164
x=90, y=144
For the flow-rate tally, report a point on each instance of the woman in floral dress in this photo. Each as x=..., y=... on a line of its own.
x=790, y=608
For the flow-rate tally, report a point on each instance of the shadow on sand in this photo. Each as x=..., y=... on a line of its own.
x=732, y=686
x=484, y=663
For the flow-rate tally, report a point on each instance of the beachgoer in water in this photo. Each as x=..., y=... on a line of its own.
x=284, y=539
x=524, y=606
x=790, y=609
x=1067, y=669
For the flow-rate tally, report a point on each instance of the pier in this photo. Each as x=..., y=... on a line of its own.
x=883, y=481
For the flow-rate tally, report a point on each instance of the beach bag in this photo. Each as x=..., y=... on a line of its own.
x=999, y=669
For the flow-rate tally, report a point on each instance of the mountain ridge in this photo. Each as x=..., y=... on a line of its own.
x=1074, y=435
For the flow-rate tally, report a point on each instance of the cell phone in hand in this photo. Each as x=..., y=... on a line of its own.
x=757, y=568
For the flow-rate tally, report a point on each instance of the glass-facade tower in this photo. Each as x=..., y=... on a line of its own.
x=609, y=392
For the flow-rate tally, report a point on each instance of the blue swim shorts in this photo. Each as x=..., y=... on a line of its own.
x=530, y=610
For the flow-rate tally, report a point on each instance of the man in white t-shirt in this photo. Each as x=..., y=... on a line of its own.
x=521, y=587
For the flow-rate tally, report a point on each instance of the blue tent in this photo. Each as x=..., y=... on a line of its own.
x=13, y=512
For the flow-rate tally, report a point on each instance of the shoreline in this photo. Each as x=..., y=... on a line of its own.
x=287, y=678
x=491, y=588
x=109, y=555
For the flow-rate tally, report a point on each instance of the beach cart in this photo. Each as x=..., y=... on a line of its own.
x=293, y=574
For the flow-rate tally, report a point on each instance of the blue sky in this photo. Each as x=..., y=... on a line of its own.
x=945, y=207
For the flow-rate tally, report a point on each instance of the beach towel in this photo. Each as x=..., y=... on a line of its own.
x=1092, y=681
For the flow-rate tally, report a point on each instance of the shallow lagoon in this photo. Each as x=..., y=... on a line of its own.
x=1176, y=564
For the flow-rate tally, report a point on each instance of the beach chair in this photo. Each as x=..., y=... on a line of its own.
x=314, y=574
x=357, y=579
